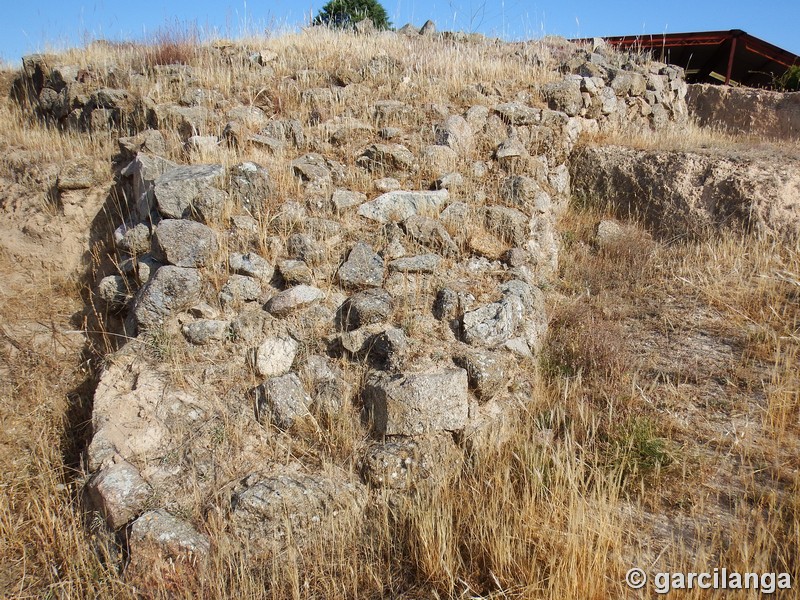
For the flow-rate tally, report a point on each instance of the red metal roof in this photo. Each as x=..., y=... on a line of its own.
x=713, y=56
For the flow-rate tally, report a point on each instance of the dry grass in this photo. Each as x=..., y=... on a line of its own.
x=614, y=460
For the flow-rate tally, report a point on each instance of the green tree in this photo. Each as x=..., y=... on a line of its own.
x=345, y=13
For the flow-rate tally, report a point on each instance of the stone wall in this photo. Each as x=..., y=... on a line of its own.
x=760, y=113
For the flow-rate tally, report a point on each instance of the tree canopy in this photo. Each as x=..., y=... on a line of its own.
x=345, y=13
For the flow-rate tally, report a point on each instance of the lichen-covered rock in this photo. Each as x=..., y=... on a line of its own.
x=457, y=134
x=251, y=265
x=406, y=463
x=487, y=371
x=273, y=508
x=386, y=158
x=295, y=272
x=184, y=243
x=423, y=263
x=118, y=491
x=206, y=331
x=363, y=268
x=400, y=205
x=133, y=239
x=169, y=290
x=416, y=403
x=282, y=400
x=295, y=298
x=495, y=323
x=515, y=113
x=365, y=308
x=171, y=537
x=115, y=291
x=239, y=288
x=431, y=234
x=189, y=191
x=275, y=356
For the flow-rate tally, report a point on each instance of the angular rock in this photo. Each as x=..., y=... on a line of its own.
x=450, y=304
x=457, y=134
x=495, y=323
x=169, y=290
x=184, y=243
x=287, y=130
x=174, y=538
x=275, y=356
x=133, y=239
x=429, y=28
x=283, y=399
x=524, y=192
x=295, y=272
x=118, y=492
x=565, y=96
x=303, y=247
x=240, y=288
x=509, y=224
x=386, y=157
x=389, y=348
x=206, y=331
x=143, y=172
x=295, y=298
x=366, y=307
x=400, y=205
x=251, y=185
x=188, y=191
x=149, y=141
x=114, y=290
x=430, y=233
x=343, y=199
x=417, y=403
x=515, y=113
x=312, y=167
x=486, y=371
x=329, y=389
x=250, y=116
x=485, y=244
x=273, y=508
x=386, y=184
x=439, y=159
x=423, y=263
x=76, y=174
x=404, y=463
x=252, y=265
x=363, y=268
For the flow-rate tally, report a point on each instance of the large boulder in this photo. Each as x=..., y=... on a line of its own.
x=184, y=243
x=739, y=191
x=363, y=268
x=169, y=290
x=496, y=323
x=274, y=508
x=294, y=299
x=416, y=403
x=365, y=308
x=118, y=492
x=400, y=205
x=283, y=399
x=189, y=191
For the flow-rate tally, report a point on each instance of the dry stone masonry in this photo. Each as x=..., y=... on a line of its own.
x=388, y=263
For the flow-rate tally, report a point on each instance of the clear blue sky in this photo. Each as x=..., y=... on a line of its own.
x=41, y=24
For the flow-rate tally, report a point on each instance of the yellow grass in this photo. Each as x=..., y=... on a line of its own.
x=608, y=464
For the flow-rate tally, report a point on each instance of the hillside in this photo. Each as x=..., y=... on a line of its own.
x=403, y=315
